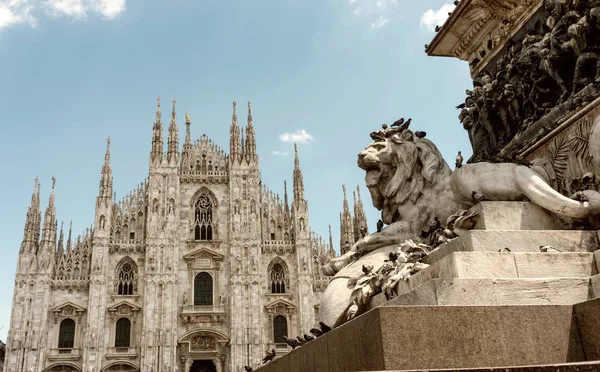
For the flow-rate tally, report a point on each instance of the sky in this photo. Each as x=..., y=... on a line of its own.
x=323, y=73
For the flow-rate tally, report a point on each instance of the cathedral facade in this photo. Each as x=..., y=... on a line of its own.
x=200, y=268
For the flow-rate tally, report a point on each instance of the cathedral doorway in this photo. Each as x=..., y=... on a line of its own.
x=203, y=366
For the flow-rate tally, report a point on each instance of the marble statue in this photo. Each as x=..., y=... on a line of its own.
x=412, y=185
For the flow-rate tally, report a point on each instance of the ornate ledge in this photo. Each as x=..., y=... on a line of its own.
x=208, y=177
x=278, y=246
x=203, y=314
x=122, y=353
x=127, y=246
x=478, y=29
x=212, y=244
x=64, y=354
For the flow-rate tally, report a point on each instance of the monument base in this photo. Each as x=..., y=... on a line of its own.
x=405, y=338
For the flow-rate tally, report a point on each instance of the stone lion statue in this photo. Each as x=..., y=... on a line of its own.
x=411, y=184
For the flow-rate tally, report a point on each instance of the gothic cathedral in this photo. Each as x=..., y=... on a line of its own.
x=200, y=268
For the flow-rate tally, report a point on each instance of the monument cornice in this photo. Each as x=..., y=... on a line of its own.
x=478, y=29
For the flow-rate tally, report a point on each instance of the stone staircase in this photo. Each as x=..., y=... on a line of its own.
x=470, y=270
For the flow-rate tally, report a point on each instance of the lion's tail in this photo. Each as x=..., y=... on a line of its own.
x=539, y=192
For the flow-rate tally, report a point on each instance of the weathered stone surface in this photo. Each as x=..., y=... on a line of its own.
x=517, y=241
x=555, y=291
x=502, y=216
x=595, y=283
x=548, y=265
x=563, y=291
x=588, y=322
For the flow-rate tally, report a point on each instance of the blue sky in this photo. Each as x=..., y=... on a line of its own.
x=77, y=71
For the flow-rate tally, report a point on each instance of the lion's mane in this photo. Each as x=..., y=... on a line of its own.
x=406, y=169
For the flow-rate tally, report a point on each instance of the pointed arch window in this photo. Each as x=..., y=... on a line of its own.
x=203, y=223
x=279, y=329
x=203, y=289
x=66, y=334
x=277, y=276
x=126, y=279
x=123, y=333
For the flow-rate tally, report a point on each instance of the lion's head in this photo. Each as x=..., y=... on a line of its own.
x=399, y=169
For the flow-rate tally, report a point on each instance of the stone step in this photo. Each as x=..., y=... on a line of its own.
x=507, y=265
x=517, y=241
x=491, y=292
x=595, y=283
x=499, y=216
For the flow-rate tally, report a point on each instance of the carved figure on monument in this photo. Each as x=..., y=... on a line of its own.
x=411, y=184
x=555, y=65
x=185, y=299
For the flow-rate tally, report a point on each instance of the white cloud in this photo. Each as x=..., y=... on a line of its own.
x=109, y=8
x=377, y=12
x=380, y=22
x=279, y=153
x=432, y=18
x=14, y=12
x=301, y=136
x=71, y=8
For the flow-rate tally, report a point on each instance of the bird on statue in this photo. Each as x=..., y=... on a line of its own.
x=420, y=134
x=308, y=338
x=317, y=332
x=291, y=342
x=379, y=225
x=248, y=369
x=324, y=327
x=398, y=123
x=459, y=160
x=352, y=311
x=269, y=357
x=393, y=256
x=301, y=340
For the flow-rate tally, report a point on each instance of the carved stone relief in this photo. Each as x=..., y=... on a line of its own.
x=546, y=72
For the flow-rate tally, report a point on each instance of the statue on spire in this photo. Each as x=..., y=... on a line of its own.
x=187, y=118
x=53, y=182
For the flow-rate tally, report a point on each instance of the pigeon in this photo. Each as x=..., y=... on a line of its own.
x=506, y=249
x=548, y=248
x=384, y=126
x=248, y=369
x=379, y=225
x=316, y=331
x=324, y=327
x=456, y=2
x=301, y=340
x=398, y=122
x=433, y=226
x=308, y=338
x=478, y=197
x=461, y=106
x=392, y=257
x=293, y=343
x=437, y=28
x=352, y=310
x=420, y=134
x=269, y=357
x=459, y=160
